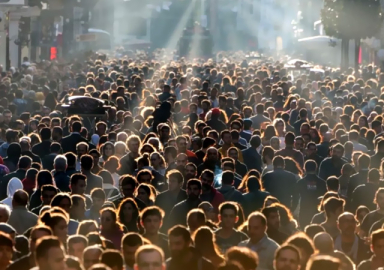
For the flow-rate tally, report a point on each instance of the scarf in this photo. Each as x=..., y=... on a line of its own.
x=353, y=252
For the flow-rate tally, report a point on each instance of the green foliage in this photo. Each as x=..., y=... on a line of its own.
x=351, y=19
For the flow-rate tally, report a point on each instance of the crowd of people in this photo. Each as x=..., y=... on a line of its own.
x=199, y=165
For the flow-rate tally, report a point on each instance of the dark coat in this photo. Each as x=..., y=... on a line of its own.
x=69, y=142
x=62, y=181
x=252, y=159
x=42, y=149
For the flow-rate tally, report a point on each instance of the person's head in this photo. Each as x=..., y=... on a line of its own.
x=179, y=241
x=278, y=162
x=86, y=162
x=128, y=211
x=337, y=151
x=320, y=262
x=361, y=212
x=347, y=224
x=81, y=149
x=272, y=215
x=246, y=257
x=129, y=245
x=207, y=177
x=212, y=155
x=374, y=176
x=333, y=207
x=151, y=219
x=78, y=207
x=379, y=198
x=76, y=245
x=113, y=259
x=5, y=213
x=255, y=141
x=204, y=240
x=333, y=184
x=57, y=220
x=38, y=232
x=289, y=139
x=195, y=219
x=98, y=198
x=257, y=226
x=304, y=244
x=109, y=221
x=49, y=254
x=48, y=192
x=78, y=183
x=175, y=180
x=6, y=250
x=86, y=227
x=194, y=188
x=228, y=214
x=323, y=243
x=149, y=257
x=24, y=163
x=72, y=263
x=60, y=163
x=310, y=166
x=181, y=143
x=91, y=256
x=287, y=257
x=20, y=198
x=313, y=229
x=128, y=185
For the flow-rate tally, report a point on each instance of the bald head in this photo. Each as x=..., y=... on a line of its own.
x=323, y=242
x=20, y=198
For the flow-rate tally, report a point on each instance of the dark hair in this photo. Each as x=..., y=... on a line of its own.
x=269, y=210
x=151, y=211
x=71, y=159
x=228, y=205
x=121, y=217
x=180, y=230
x=278, y=161
x=132, y=240
x=5, y=240
x=86, y=162
x=194, y=182
x=176, y=174
x=288, y=247
x=243, y=255
x=83, y=228
x=112, y=258
x=332, y=204
x=76, y=177
x=98, y=193
x=44, y=244
x=44, y=177
x=58, y=198
x=45, y=134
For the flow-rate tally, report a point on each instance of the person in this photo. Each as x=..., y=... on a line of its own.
x=59, y=174
x=323, y=262
x=259, y=117
x=128, y=213
x=127, y=164
x=179, y=212
x=91, y=256
x=361, y=176
x=255, y=196
x=28, y=261
x=5, y=212
x=227, y=236
x=112, y=259
x=240, y=168
x=332, y=165
x=209, y=193
x=333, y=208
x=149, y=255
x=98, y=200
x=363, y=194
x=281, y=184
x=48, y=192
x=69, y=143
x=251, y=156
x=23, y=166
x=374, y=215
x=63, y=202
x=128, y=186
x=183, y=255
x=287, y=257
x=21, y=218
x=6, y=250
x=130, y=243
x=196, y=218
x=111, y=229
x=174, y=195
x=73, y=263
x=151, y=219
x=48, y=160
x=290, y=151
x=77, y=211
x=204, y=242
x=348, y=242
x=378, y=156
x=78, y=185
x=228, y=190
x=215, y=121
x=377, y=259
x=13, y=185
x=42, y=149
x=93, y=181
x=310, y=188
x=243, y=256
x=272, y=215
x=258, y=240
x=76, y=246
x=50, y=254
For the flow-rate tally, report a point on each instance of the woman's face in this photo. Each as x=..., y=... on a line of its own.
x=142, y=195
x=107, y=221
x=108, y=150
x=361, y=122
x=128, y=212
x=275, y=144
x=361, y=216
x=280, y=127
x=61, y=230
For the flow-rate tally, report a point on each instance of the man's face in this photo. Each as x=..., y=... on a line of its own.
x=36, y=235
x=347, y=225
x=181, y=160
x=77, y=250
x=337, y=153
x=145, y=178
x=228, y=218
x=79, y=209
x=54, y=260
x=134, y=146
x=101, y=130
x=91, y=257
x=380, y=200
x=152, y=224
x=182, y=146
x=178, y=246
x=127, y=191
x=287, y=260
x=227, y=139
x=65, y=204
x=207, y=182
x=190, y=172
x=165, y=133
x=97, y=202
x=193, y=192
x=129, y=254
x=81, y=150
x=7, y=117
x=256, y=229
x=4, y=216
x=79, y=188
x=47, y=197
x=299, y=145
x=311, y=150
x=378, y=248
x=304, y=130
x=273, y=221
x=212, y=155
x=233, y=154
x=149, y=260
x=247, y=113
x=173, y=184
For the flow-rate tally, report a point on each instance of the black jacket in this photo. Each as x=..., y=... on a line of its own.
x=179, y=212
x=127, y=164
x=253, y=201
x=363, y=195
x=35, y=158
x=241, y=168
x=42, y=149
x=252, y=159
x=69, y=142
x=93, y=181
x=48, y=161
x=217, y=125
x=62, y=181
x=356, y=180
x=328, y=168
x=282, y=185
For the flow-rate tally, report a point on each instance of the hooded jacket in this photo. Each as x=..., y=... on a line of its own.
x=13, y=185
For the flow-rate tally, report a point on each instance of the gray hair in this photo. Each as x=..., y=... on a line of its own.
x=60, y=163
x=6, y=209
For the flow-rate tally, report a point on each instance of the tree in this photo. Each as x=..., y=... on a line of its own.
x=351, y=19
